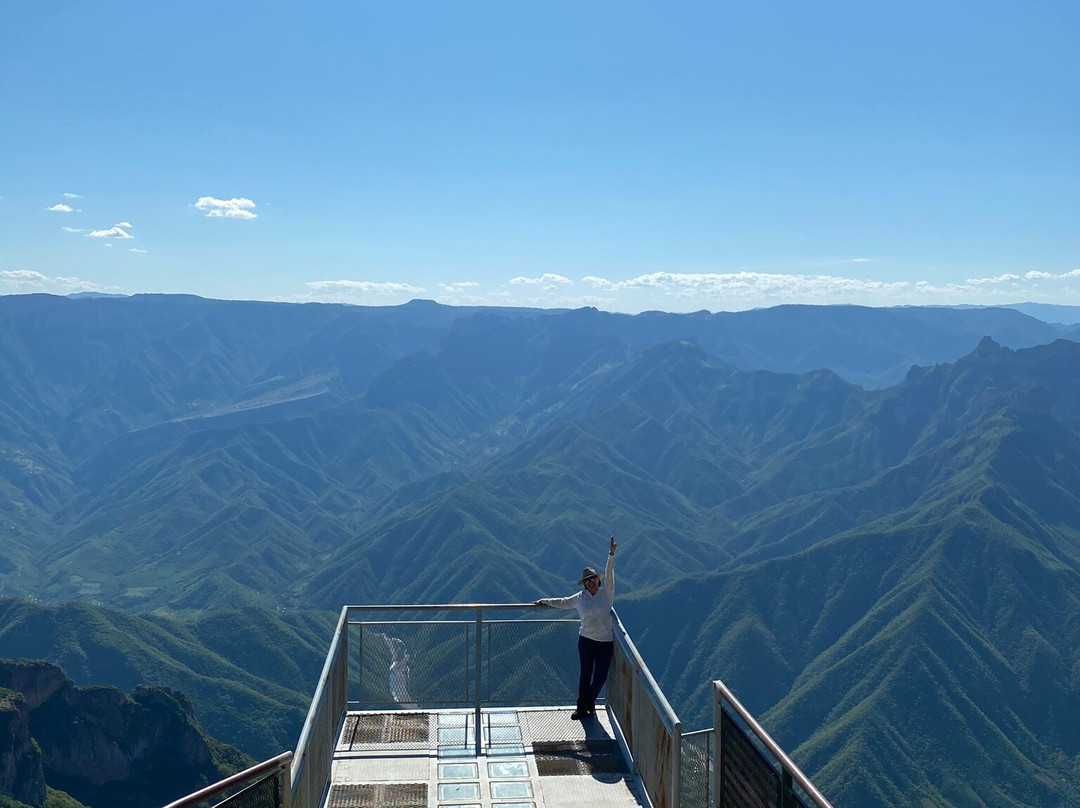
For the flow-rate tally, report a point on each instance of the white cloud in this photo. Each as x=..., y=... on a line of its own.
x=676, y=291
x=1006, y=278
x=60, y=207
x=759, y=288
x=73, y=229
x=715, y=291
x=72, y=196
x=548, y=278
x=22, y=276
x=598, y=283
x=362, y=292
x=744, y=283
x=368, y=287
x=116, y=231
x=124, y=224
x=1031, y=275
x=137, y=250
x=24, y=281
x=236, y=208
x=457, y=287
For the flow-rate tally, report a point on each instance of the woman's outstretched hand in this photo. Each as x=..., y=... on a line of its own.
x=614, y=544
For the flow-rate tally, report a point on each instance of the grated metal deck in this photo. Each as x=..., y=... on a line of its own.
x=377, y=795
x=381, y=729
x=590, y=757
x=531, y=758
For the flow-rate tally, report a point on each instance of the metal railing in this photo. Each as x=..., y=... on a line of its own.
x=650, y=727
x=314, y=754
x=263, y=786
x=470, y=656
x=439, y=660
x=750, y=768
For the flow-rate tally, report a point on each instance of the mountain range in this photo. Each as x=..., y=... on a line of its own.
x=863, y=520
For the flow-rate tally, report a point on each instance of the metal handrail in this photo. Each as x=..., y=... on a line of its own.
x=317, y=702
x=257, y=771
x=441, y=607
x=725, y=694
x=696, y=732
x=662, y=788
x=656, y=695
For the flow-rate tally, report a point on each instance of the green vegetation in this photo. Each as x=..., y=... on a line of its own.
x=101, y=746
x=888, y=577
x=250, y=674
x=53, y=799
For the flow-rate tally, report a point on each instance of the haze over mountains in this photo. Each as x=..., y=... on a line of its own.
x=881, y=560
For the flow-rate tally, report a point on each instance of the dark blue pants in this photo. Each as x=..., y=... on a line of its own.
x=595, y=660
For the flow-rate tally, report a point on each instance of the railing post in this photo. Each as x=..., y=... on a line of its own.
x=477, y=666
x=342, y=702
x=342, y=698
x=787, y=797
x=465, y=653
x=635, y=725
x=284, y=788
x=676, y=765
x=718, y=747
x=709, y=760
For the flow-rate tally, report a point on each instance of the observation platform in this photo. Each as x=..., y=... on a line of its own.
x=530, y=758
x=451, y=706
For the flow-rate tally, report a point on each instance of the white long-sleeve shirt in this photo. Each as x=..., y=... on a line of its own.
x=594, y=610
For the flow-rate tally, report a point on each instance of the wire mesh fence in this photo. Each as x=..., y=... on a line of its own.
x=449, y=662
x=262, y=786
x=530, y=662
x=265, y=793
x=402, y=664
x=695, y=782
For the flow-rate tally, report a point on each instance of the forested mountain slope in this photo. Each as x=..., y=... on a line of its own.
x=248, y=672
x=887, y=574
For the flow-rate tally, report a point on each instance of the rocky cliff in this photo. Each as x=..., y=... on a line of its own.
x=106, y=748
x=21, y=776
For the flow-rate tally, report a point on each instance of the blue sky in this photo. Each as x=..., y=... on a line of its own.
x=630, y=156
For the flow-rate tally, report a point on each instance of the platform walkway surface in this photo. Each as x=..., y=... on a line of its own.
x=530, y=758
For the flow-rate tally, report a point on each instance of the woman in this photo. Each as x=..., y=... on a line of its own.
x=595, y=640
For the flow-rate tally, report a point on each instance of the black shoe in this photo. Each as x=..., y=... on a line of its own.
x=577, y=715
